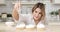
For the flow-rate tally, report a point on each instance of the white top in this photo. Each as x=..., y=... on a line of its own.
x=27, y=19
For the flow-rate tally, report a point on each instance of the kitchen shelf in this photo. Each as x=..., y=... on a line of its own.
x=27, y=2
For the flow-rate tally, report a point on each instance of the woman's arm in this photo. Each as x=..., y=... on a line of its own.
x=15, y=14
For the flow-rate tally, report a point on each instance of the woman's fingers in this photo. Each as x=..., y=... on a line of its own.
x=17, y=5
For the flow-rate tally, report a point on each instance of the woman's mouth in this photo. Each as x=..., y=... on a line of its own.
x=36, y=17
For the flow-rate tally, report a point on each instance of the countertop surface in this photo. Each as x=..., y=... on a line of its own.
x=51, y=28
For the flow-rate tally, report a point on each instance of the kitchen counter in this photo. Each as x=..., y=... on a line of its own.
x=51, y=28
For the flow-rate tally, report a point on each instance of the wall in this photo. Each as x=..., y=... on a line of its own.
x=6, y=8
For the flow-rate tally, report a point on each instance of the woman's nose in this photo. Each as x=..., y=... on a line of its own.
x=37, y=14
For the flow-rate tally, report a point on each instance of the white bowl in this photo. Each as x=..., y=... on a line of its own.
x=20, y=26
x=9, y=23
x=40, y=26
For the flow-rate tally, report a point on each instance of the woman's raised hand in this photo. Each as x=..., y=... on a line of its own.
x=15, y=11
x=17, y=5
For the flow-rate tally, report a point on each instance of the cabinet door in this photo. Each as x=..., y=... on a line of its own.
x=56, y=1
x=2, y=1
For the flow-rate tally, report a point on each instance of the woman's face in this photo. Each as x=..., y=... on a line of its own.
x=37, y=14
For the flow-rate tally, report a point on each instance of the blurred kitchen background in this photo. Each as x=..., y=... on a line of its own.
x=52, y=9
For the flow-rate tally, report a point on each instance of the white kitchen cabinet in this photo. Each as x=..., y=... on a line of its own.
x=2, y=2
x=56, y=1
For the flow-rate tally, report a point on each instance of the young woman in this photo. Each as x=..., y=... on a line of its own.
x=38, y=14
x=36, y=18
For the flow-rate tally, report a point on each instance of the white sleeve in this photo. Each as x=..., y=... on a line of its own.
x=26, y=18
x=21, y=19
x=29, y=19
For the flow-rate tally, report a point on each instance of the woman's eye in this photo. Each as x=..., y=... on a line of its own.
x=35, y=11
x=39, y=13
